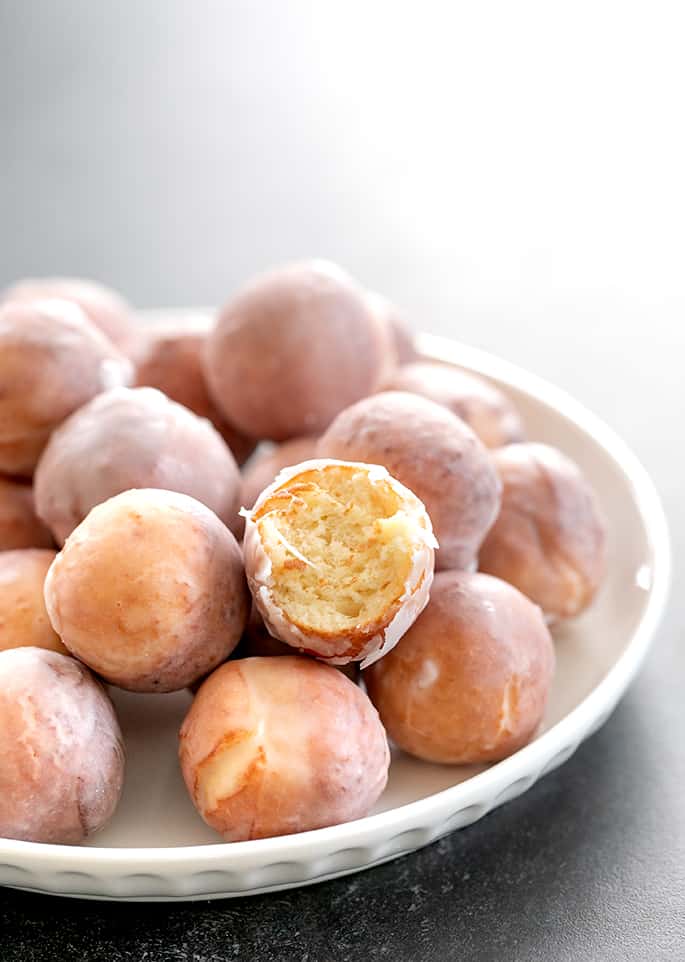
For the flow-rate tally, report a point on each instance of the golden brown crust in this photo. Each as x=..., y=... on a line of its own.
x=435, y=455
x=469, y=681
x=294, y=348
x=273, y=746
x=264, y=466
x=550, y=537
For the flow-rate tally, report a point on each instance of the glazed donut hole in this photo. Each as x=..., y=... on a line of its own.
x=435, y=454
x=149, y=591
x=292, y=349
x=106, y=309
x=61, y=752
x=170, y=358
x=24, y=620
x=339, y=559
x=359, y=538
x=20, y=527
x=265, y=465
x=550, y=537
x=52, y=360
x=489, y=414
x=274, y=746
x=133, y=438
x=469, y=681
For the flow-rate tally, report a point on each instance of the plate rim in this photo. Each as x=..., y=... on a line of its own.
x=537, y=757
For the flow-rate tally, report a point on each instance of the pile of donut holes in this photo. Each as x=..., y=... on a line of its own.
x=126, y=452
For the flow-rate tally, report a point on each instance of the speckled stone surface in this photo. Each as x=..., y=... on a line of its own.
x=171, y=149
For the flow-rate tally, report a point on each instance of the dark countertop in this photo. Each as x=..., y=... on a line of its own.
x=588, y=865
x=172, y=149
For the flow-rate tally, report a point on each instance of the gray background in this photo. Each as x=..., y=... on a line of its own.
x=512, y=176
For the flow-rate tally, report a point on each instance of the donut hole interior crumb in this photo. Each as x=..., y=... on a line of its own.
x=340, y=543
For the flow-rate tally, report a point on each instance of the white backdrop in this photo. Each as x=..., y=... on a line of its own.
x=511, y=173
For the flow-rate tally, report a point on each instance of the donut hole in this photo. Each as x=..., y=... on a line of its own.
x=340, y=546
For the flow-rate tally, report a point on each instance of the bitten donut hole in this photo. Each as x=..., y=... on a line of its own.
x=339, y=543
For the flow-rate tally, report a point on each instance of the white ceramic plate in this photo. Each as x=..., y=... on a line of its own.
x=157, y=848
